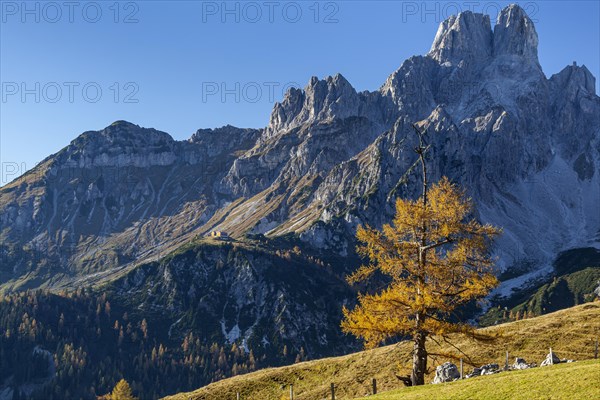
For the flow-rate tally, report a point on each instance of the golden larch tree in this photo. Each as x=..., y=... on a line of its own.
x=122, y=391
x=436, y=258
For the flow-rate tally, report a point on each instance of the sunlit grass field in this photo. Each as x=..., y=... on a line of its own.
x=573, y=381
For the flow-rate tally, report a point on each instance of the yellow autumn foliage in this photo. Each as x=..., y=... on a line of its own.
x=436, y=257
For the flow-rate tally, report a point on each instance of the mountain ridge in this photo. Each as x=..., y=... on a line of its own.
x=329, y=159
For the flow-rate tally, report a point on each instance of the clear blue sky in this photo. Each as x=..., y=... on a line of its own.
x=175, y=58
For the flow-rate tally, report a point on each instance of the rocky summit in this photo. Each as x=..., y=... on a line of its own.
x=525, y=146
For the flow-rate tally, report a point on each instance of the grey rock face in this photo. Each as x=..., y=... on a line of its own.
x=447, y=372
x=465, y=37
x=321, y=101
x=514, y=34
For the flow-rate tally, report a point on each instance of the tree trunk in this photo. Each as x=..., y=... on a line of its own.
x=419, y=359
x=419, y=352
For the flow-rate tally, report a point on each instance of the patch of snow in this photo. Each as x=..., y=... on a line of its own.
x=506, y=288
x=232, y=335
x=173, y=324
x=245, y=346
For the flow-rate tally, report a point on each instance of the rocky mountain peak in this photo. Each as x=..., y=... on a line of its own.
x=328, y=95
x=573, y=78
x=122, y=134
x=325, y=98
x=121, y=143
x=515, y=34
x=466, y=36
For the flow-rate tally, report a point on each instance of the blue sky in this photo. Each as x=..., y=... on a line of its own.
x=182, y=65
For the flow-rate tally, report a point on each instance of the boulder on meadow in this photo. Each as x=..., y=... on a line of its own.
x=447, y=372
x=551, y=358
x=476, y=372
x=490, y=369
x=520, y=363
x=487, y=369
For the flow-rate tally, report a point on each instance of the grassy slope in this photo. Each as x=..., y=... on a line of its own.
x=574, y=381
x=569, y=332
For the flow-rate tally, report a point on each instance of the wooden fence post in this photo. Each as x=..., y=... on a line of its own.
x=461, y=369
x=238, y=395
x=551, y=357
x=506, y=362
x=596, y=351
x=332, y=391
x=291, y=392
x=374, y=386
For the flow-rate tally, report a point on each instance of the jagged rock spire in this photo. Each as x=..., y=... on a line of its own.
x=514, y=34
x=468, y=37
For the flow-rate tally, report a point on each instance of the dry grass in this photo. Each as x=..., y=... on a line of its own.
x=569, y=332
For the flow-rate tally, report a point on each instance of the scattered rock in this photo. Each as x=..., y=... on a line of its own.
x=487, y=369
x=520, y=363
x=551, y=358
x=490, y=369
x=476, y=372
x=447, y=372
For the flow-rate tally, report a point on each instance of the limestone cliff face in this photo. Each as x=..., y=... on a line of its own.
x=465, y=38
x=526, y=148
x=515, y=35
